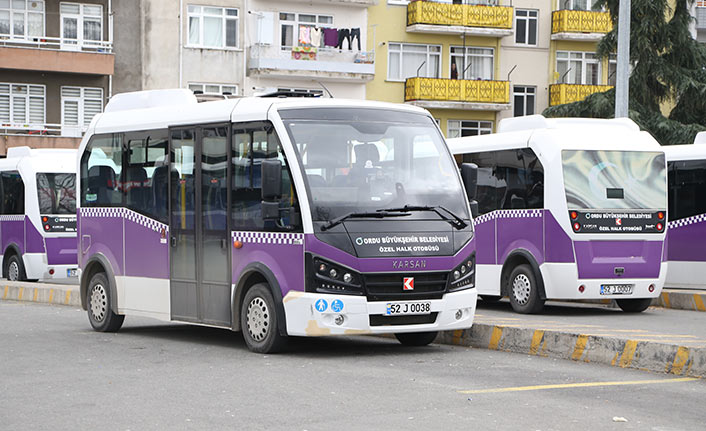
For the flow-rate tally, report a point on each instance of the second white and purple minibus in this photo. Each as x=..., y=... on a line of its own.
x=275, y=217
x=569, y=209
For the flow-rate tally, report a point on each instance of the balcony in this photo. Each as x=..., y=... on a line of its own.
x=325, y=64
x=39, y=136
x=47, y=54
x=580, y=25
x=441, y=93
x=560, y=94
x=356, y=3
x=446, y=18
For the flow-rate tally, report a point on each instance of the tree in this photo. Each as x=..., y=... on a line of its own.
x=667, y=69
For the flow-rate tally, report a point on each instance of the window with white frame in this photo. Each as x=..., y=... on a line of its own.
x=576, y=67
x=214, y=89
x=477, y=62
x=22, y=104
x=576, y=4
x=612, y=69
x=523, y=100
x=460, y=128
x=21, y=18
x=406, y=60
x=80, y=104
x=81, y=24
x=212, y=27
x=526, y=26
x=291, y=27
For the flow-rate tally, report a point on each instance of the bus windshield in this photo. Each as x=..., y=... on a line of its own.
x=367, y=160
x=56, y=193
x=614, y=179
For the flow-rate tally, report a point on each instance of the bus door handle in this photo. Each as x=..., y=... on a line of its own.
x=173, y=241
x=224, y=243
x=85, y=243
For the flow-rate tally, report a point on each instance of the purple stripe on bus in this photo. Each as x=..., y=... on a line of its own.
x=105, y=235
x=35, y=242
x=61, y=251
x=686, y=242
x=558, y=247
x=146, y=251
x=598, y=259
x=485, y=237
x=286, y=261
x=520, y=230
x=12, y=232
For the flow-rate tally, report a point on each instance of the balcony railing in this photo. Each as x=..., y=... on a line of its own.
x=457, y=90
x=321, y=63
x=568, y=93
x=433, y=13
x=41, y=130
x=57, y=44
x=580, y=21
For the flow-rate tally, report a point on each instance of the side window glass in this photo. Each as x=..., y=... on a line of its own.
x=144, y=179
x=486, y=180
x=101, y=166
x=690, y=189
x=13, y=201
x=520, y=179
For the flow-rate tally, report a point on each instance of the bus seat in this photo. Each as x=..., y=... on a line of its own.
x=365, y=153
x=160, y=191
x=316, y=180
x=101, y=182
x=134, y=186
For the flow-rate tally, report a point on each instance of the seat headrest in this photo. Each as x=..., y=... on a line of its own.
x=365, y=152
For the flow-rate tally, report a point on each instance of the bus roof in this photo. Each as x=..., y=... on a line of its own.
x=685, y=152
x=159, y=109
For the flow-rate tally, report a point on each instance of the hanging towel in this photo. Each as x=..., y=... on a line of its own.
x=304, y=35
x=316, y=37
x=330, y=37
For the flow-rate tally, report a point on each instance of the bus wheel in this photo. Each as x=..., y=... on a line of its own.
x=491, y=299
x=15, y=269
x=522, y=290
x=634, y=305
x=416, y=338
x=258, y=320
x=100, y=315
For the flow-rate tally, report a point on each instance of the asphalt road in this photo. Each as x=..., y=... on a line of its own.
x=56, y=373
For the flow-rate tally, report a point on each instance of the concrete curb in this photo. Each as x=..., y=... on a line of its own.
x=694, y=300
x=616, y=352
x=56, y=294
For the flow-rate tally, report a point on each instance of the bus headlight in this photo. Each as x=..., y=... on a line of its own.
x=329, y=277
x=464, y=275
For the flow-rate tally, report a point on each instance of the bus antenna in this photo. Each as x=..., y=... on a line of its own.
x=324, y=87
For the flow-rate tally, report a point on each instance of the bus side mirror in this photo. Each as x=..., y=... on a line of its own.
x=271, y=179
x=469, y=175
x=474, y=208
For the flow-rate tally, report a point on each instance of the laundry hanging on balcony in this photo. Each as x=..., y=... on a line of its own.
x=304, y=53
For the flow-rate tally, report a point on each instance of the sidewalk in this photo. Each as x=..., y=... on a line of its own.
x=682, y=299
x=49, y=293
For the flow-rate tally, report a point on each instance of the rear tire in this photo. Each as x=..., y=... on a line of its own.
x=416, y=339
x=523, y=291
x=98, y=302
x=491, y=299
x=16, y=269
x=258, y=321
x=634, y=305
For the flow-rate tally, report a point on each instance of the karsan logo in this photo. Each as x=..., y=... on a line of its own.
x=408, y=283
x=619, y=222
x=409, y=264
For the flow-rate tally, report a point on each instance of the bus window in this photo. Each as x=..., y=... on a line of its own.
x=147, y=153
x=688, y=188
x=56, y=193
x=485, y=194
x=13, y=196
x=101, y=165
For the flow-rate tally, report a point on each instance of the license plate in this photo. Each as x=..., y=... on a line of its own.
x=72, y=272
x=616, y=289
x=406, y=308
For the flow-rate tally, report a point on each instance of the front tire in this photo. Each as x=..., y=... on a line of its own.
x=258, y=320
x=98, y=300
x=16, y=269
x=634, y=305
x=416, y=339
x=523, y=291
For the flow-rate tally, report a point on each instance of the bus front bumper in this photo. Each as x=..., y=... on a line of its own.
x=314, y=314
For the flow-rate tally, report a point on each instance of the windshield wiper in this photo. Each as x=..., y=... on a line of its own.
x=376, y=214
x=457, y=221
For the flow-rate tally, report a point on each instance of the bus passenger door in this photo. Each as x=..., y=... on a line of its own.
x=199, y=243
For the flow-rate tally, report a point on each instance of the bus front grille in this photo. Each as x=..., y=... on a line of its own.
x=415, y=319
x=389, y=287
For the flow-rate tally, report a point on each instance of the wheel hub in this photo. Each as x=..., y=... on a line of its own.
x=258, y=319
x=99, y=303
x=521, y=288
x=13, y=271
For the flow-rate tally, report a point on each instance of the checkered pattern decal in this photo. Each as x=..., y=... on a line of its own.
x=507, y=214
x=686, y=221
x=127, y=214
x=19, y=217
x=269, y=238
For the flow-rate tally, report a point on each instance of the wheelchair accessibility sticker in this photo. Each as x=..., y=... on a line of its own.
x=336, y=305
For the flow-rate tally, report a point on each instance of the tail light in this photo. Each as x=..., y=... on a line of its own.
x=574, y=215
x=660, y=226
x=577, y=226
x=660, y=215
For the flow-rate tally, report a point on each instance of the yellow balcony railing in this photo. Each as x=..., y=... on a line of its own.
x=429, y=12
x=568, y=93
x=457, y=90
x=580, y=21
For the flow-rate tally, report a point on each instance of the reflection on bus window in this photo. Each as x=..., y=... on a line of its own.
x=56, y=193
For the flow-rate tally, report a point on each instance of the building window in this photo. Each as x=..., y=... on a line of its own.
x=214, y=89
x=576, y=4
x=407, y=60
x=523, y=100
x=526, y=27
x=295, y=29
x=21, y=18
x=79, y=105
x=460, y=128
x=477, y=62
x=213, y=27
x=612, y=69
x=578, y=68
x=81, y=24
x=22, y=104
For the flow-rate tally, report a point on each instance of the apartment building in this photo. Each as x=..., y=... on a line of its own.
x=56, y=67
x=474, y=62
x=308, y=46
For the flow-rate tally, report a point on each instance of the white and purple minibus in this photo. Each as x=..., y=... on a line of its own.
x=686, y=233
x=569, y=209
x=275, y=217
x=38, y=214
